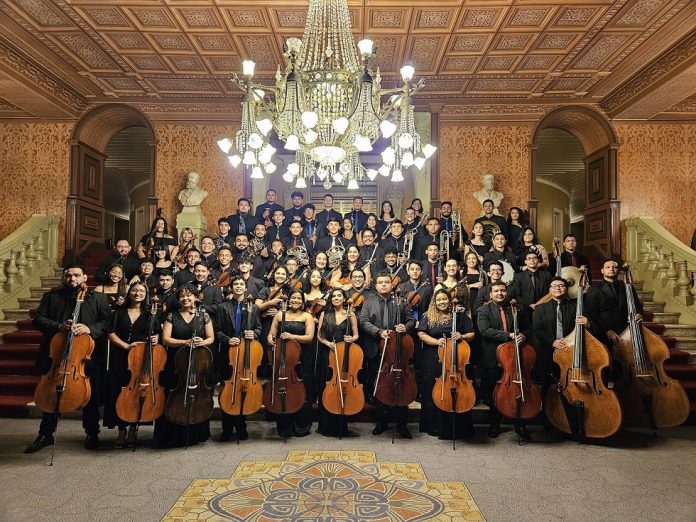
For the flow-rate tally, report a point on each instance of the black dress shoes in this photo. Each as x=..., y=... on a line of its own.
x=225, y=436
x=91, y=442
x=523, y=433
x=39, y=442
x=243, y=434
x=403, y=431
x=494, y=430
x=380, y=428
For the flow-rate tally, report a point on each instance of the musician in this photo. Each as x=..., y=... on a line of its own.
x=123, y=256
x=453, y=285
x=327, y=213
x=494, y=276
x=54, y=314
x=333, y=327
x=299, y=326
x=186, y=276
x=241, y=249
x=261, y=235
x=607, y=305
x=515, y=225
x=386, y=217
x=528, y=243
x=391, y=264
x=489, y=215
x=310, y=226
x=347, y=232
x=314, y=287
x=277, y=251
x=158, y=235
x=495, y=323
x=321, y=263
x=208, y=253
x=296, y=239
x=115, y=289
x=129, y=325
x=183, y=328
x=230, y=324
x=474, y=278
x=358, y=284
x=432, y=265
x=571, y=257
x=243, y=222
x=371, y=224
x=146, y=275
x=223, y=235
x=433, y=331
x=416, y=286
x=371, y=252
x=270, y=298
x=166, y=293
x=428, y=235
x=210, y=295
x=377, y=318
x=356, y=215
x=254, y=284
x=500, y=252
x=446, y=223
x=264, y=212
x=410, y=221
x=186, y=239
x=341, y=278
x=295, y=212
x=531, y=284
x=332, y=236
x=397, y=239
x=292, y=265
x=162, y=261
x=224, y=264
x=278, y=230
x=477, y=243
x=417, y=205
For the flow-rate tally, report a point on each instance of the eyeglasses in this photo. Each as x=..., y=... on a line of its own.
x=557, y=287
x=495, y=270
x=357, y=277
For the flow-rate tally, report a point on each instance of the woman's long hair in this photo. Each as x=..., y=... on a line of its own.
x=435, y=316
x=328, y=326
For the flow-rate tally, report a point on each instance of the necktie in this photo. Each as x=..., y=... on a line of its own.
x=277, y=232
x=533, y=280
x=333, y=241
x=238, y=319
x=414, y=312
x=433, y=275
x=242, y=225
x=447, y=225
x=573, y=261
x=503, y=318
x=385, y=315
x=559, y=321
x=294, y=241
x=309, y=228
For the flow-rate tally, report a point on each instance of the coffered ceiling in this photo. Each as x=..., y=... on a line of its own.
x=491, y=59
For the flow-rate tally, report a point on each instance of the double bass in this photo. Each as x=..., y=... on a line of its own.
x=242, y=393
x=515, y=395
x=285, y=393
x=453, y=391
x=580, y=403
x=191, y=402
x=142, y=400
x=343, y=394
x=647, y=394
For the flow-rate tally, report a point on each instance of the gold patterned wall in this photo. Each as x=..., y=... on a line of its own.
x=657, y=174
x=34, y=172
x=181, y=148
x=468, y=151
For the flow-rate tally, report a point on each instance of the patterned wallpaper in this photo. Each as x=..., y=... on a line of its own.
x=181, y=148
x=34, y=172
x=657, y=174
x=468, y=151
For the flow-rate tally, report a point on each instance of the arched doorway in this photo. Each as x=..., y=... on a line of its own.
x=599, y=209
x=94, y=184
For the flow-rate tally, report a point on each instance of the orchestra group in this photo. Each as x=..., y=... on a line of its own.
x=311, y=314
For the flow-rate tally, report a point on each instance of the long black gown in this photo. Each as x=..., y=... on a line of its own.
x=166, y=432
x=331, y=425
x=299, y=424
x=432, y=419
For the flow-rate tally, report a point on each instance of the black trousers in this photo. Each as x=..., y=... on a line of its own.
x=398, y=414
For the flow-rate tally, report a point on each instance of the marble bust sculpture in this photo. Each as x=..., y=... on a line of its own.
x=192, y=196
x=488, y=192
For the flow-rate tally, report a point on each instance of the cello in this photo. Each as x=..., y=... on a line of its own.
x=285, y=393
x=191, y=402
x=515, y=395
x=580, y=403
x=142, y=400
x=454, y=356
x=647, y=394
x=242, y=393
x=343, y=394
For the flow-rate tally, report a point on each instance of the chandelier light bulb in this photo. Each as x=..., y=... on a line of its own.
x=337, y=177
x=310, y=119
x=294, y=45
x=248, y=68
x=388, y=156
x=256, y=173
x=300, y=183
x=406, y=141
x=258, y=94
x=255, y=141
x=388, y=128
x=365, y=47
x=225, y=145
x=419, y=162
x=397, y=176
x=270, y=168
x=341, y=124
x=353, y=184
x=264, y=126
x=287, y=177
x=407, y=159
x=321, y=173
x=344, y=168
x=362, y=143
x=234, y=160
x=310, y=137
x=371, y=174
x=292, y=143
x=264, y=157
x=429, y=150
x=384, y=170
x=249, y=158
x=407, y=72
x=268, y=149
x=294, y=169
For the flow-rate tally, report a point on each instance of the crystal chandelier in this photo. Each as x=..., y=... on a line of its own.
x=326, y=107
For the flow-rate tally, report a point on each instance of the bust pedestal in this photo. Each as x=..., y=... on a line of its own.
x=193, y=218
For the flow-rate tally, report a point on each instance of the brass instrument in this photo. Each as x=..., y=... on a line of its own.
x=299, y=252
x=335, y=255
x=424, y=219
x=256, y=245
x=490, y=229
x=408, y=243
x=445, y=238
x=456, y=229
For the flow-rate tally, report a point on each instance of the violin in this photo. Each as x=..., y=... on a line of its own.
x=357, y=299
x=515, y=394
x=142, y=400
x=242, y=393
x=453, y=391
x=65, y=387
x=413, y=297
x=316, y=308
x=580, y=403
x=224, y=280
x=285, y=393
x=557, y=257
x=191, y=402
x=184, y=250
x=343, y=394
x=396, y=278
x=395, y=384
x=647, y=394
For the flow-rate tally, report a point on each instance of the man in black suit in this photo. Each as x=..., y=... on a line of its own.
x=371, y=252
x=223, y=235
x=495, y=323
x=396, y=240
x=499, y=252
x=295, y=212
x=430, y=233
x=357, y=216
x=210, y=295
x=446, y=223
x=55, y=315
x=296, y=239
x=331, y=236
x=243, y=221
x=571, y=257
x=530, y=285
x=327, y=213
x=310, y=226
x=123, y=256
x=494, y=274
x=186, y=275
x=488, y=215
x=607, y=305
x=377, y=318
x=264, y=212
x=278, y=230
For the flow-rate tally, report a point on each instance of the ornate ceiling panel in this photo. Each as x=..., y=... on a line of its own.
x=176, y=53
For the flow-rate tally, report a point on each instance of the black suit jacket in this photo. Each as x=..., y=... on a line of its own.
x=370, y=320
x=490, y=326
x=358, y=217
x=324, y=216
x=607, y=311
x=522, y=288
x=326, y=242
x=130, y=264
x=272, y=207
x=234, y=220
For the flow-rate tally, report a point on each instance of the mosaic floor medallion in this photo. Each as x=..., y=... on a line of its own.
x=326, y=485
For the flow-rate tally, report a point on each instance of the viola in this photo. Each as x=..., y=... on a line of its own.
x=395, y=384
x=413, y=297
x=242, y=393
x=343, y=394
x=357, y=299
x=142, y=400
x=224, y=280
x=65, y=387
x=285, y=393
x=191, y=402
x=316, y=308
x=184, y=250
x=647, y=394
x=580, y=403
x=396, y=278
x=515, y=394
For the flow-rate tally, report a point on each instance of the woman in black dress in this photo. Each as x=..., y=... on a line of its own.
x=477, y=243
x=162, y=261
x=180, y=329
x=333, y=326
x=433, y=329
x=129, y=325
x=386, y=216
x=158, y=235
x=299, y=326
x=115, y=287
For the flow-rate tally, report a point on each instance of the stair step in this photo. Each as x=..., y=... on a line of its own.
x=690, y=389
x=18, y=384
x=688, y=344
x=16, y=314
x=38, y=291
x=645, y=295
x=666, y=317
x=15, y=405
x=29, y=302
x=23, y=336
x=25, y=324
x=677, y=356
x=657, y=328
x=683, y=372
x=17, y=351
x=18, y=367
x=680, y=330
x=654, y=306
x=638, y=285
x=51, y=282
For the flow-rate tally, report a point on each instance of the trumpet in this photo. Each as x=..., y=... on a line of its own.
x=456, y=228
x=445, y=238
x=408, y=243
